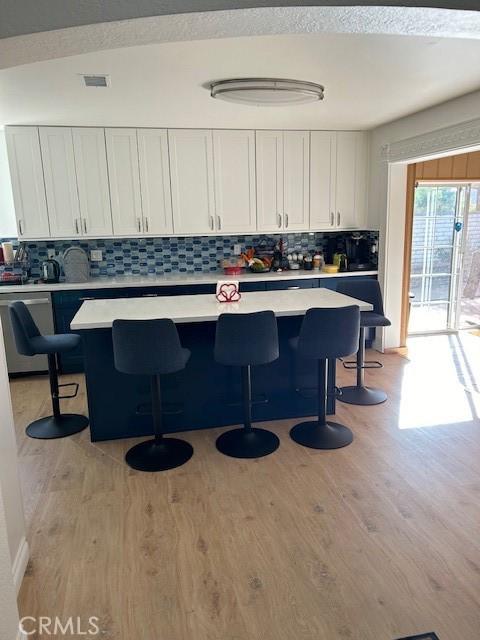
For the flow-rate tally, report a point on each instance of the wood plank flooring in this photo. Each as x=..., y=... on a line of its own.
x=372, y=542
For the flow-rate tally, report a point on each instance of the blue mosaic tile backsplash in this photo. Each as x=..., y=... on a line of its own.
x=143, y=256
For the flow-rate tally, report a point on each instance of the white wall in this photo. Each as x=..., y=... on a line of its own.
x=13, y=548
x=8, y=227
x=9, y=478
x=392, y=230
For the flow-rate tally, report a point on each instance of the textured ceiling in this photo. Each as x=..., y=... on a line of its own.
x=33, y=16
x=436, y=23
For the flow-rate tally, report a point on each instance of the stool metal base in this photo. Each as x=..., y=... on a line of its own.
x=53, y=427
x=317, y=436
x=247, y=443
x=362, y=395
x=153, y=455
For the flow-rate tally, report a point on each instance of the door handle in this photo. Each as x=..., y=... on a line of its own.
x=85, y=299
x=139, y=225
x=338, y=218
x=279, y=220
x=147, y=226
x=149, y=295
x=219, y=222
x=20, y=227
x=292, y=288
x=85, y=226
x=212, y=223
x=76, y=226
x=286, y=221
x=332, y=218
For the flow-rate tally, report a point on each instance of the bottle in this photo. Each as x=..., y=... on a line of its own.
x=317, y=261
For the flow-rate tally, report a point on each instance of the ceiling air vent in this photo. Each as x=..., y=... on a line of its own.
x=96, y=81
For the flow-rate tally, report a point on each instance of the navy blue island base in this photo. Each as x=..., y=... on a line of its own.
x=205, y=394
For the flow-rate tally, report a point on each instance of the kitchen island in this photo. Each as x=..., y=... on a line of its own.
x=205, y=394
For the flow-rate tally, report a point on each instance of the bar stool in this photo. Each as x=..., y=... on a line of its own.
x=325, y=334
x=368, y=291
x=30, y=342
x=152, y=347
x=245, y=340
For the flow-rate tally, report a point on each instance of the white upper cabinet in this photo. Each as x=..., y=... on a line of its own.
x=28, y=186
x=296, y=180
x=323, y=147
x=269, y=155
x=92, y=181
x=283, y=159
x=155, y=181
x=124, y=178
x=60, y=182
x=338, y=176
x=350, y=179
x=191, y=170
x=234, y=178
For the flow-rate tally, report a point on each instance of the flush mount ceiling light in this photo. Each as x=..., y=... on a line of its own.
x=267, y=92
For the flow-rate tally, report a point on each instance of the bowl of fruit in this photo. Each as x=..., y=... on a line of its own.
x=256, y=264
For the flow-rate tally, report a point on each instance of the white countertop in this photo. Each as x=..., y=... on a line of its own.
x=100, y=314
x=174, y=279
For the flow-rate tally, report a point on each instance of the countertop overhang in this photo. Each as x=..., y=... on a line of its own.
x=100, y=314
x=175, y=279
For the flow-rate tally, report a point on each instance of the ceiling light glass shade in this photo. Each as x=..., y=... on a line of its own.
x=267, y=92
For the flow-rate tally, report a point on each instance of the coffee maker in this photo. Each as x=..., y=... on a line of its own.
x=359, y=253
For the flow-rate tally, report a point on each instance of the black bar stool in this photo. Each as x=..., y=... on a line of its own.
x=325, y=333
x=30, y=342
x=152, y=347
x=368, y=291
x=245, y=340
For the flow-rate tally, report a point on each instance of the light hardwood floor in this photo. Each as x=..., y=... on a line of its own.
x=372, y=542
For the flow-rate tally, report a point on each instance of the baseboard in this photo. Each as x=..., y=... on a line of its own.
x=20, y=564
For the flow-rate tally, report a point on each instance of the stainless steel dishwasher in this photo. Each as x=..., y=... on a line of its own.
x=40, y=306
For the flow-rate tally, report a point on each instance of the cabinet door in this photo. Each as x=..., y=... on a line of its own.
x=124, y=179
x=155, y=181
x=269, y=154
x=92, y=181
x=26, y=170
x=60, y=181
x=234, y=174
x=348, y=150
x=191, y=170
x=322, y=179
x=296, y=180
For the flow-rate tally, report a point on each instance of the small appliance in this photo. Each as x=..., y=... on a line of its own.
x=50, y=271
x=359, y=253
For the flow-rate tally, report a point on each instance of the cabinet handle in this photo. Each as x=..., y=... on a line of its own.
x=286, y=221
x=146, y=224
x=279, y=220
x=20, y=227
x=76, y=226
x=291, y=288
x=212, y=223
x=219, y=223
x=338, y=218
x=332, y=218
x=149, y=295
x=84, y=226
x=139, y=224
x=85, y=299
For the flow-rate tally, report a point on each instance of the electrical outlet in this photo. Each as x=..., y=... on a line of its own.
x=237, y=249
x=51, y=254
x=96, y=255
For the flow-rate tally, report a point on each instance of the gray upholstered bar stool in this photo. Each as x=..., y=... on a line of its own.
x=368, y=291
x=152, y=347
x=30, y=342
x=325, y=334
x=245, y=340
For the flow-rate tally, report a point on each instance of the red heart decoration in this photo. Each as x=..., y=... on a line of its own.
x=228, y=293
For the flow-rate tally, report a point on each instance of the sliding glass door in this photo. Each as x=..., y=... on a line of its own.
x=445, y=266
